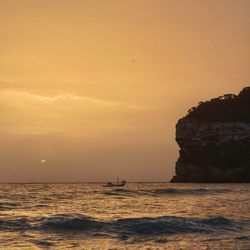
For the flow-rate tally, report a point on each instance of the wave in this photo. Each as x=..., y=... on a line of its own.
x=70, y=222
x=146, y=226
x=120, y=191
x=14, y=224
x=172, y=224
x=193, y=191
x=129, y=226
x=166, y=191
x=8, y=205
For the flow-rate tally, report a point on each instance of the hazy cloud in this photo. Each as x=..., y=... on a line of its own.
x=24, y=96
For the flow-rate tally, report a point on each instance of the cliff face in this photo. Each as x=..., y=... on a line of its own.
x=213, y=150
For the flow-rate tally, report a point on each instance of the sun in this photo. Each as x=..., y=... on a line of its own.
x=43, y=161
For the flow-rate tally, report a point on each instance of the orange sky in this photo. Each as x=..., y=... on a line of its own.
x=94, y=87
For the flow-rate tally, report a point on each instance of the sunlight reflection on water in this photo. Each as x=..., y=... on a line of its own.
x=138, y=216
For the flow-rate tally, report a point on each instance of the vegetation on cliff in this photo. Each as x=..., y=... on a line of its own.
x=226, y=108
x=214, y=140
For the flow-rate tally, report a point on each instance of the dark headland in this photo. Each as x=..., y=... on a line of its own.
x=214, y=141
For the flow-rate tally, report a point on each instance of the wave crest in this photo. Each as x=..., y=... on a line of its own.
x=172, y=224
x=166, y=191
x=130, y=227
x=17, y=224
x=145, y=225
x=8, y=205
x=70, y=222
x=193, y=191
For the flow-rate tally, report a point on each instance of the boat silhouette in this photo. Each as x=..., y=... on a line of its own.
x=115, y=184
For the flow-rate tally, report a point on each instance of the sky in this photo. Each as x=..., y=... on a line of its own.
x=92, y=89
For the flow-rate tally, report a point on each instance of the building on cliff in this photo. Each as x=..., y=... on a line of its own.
x=214, y=141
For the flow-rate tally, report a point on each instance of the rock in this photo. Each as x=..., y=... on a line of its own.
x=214, y=141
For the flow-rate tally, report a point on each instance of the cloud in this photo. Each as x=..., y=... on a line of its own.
x=26, y=112
x=20, y=96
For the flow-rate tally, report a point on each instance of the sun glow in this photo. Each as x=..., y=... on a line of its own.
x=99, y=85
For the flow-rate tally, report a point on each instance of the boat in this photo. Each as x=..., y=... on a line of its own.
x=115, y=184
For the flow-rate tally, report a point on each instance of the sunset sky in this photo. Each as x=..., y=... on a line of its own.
x=92, y=89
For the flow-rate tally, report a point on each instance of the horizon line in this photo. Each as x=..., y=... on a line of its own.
x=79, y=182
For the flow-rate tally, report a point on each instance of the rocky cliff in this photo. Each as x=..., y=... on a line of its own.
x=214, y=140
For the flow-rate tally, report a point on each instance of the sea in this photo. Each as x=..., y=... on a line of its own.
x=136, y=216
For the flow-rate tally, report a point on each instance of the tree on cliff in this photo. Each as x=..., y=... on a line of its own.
x=228, y=107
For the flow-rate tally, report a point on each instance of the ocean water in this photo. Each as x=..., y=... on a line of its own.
x=137, y=216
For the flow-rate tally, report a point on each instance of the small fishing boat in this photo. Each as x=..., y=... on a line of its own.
x=115, y=184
